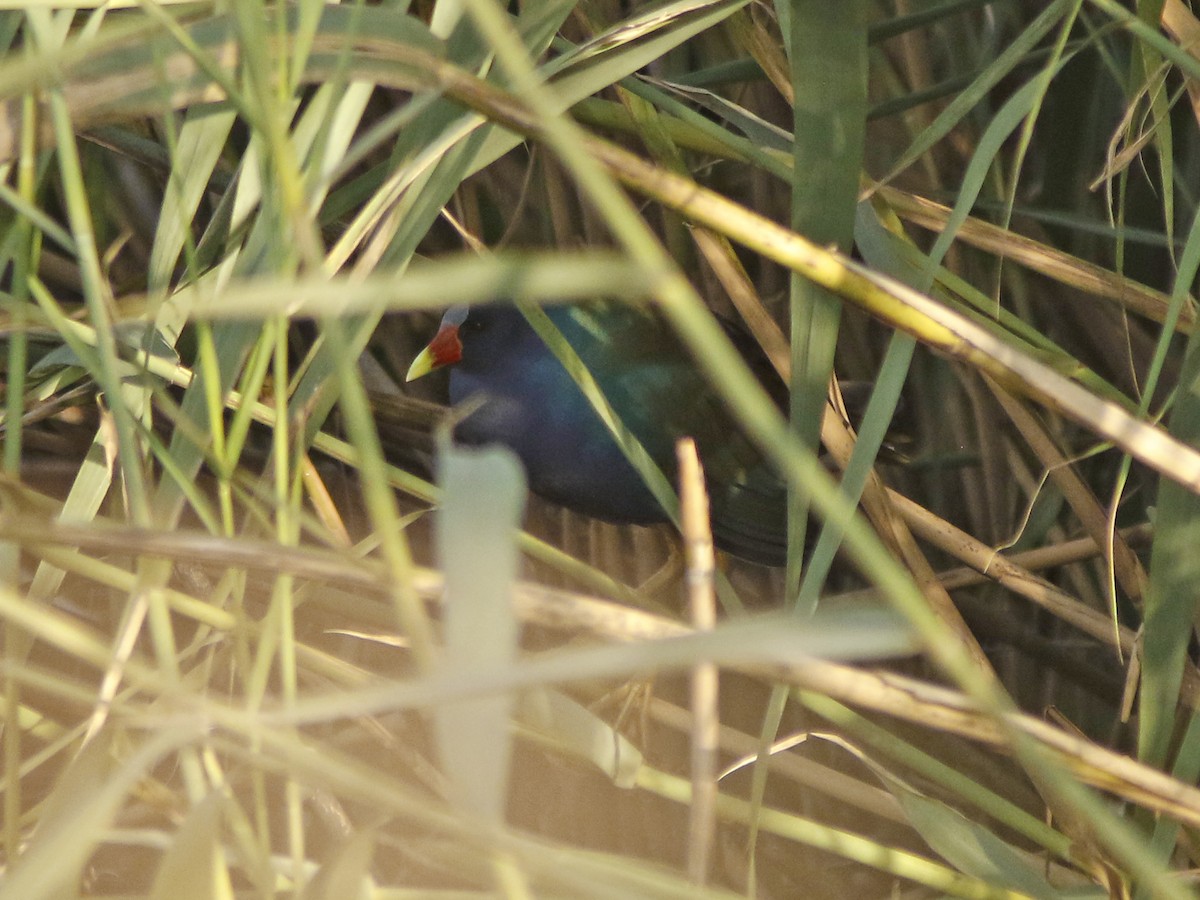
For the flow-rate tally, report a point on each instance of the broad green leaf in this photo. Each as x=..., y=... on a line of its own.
x=195, y=866
x=77, y=815
x=482, y=501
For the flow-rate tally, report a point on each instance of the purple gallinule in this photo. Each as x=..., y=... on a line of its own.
x=529, y=403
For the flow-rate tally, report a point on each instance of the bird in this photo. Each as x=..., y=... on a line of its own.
x=527, y=401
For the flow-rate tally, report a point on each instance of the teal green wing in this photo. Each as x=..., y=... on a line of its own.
x=660, y=395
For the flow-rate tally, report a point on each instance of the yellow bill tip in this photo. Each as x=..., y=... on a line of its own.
x=424, y=363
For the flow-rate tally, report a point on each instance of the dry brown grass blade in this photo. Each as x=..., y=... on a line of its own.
x=1007, y=572
x=1179, y=22
x=809, y=773
x=1092, y=515
x=928, y=705
x=695, y=526
x=836, y=437
x=1038, y=257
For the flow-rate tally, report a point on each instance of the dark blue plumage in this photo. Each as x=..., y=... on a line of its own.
x=532, y=405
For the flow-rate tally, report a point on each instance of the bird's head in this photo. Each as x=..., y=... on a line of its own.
x=478, y=339
x=445, y=349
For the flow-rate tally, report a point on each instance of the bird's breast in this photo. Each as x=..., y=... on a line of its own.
x=569, y=455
